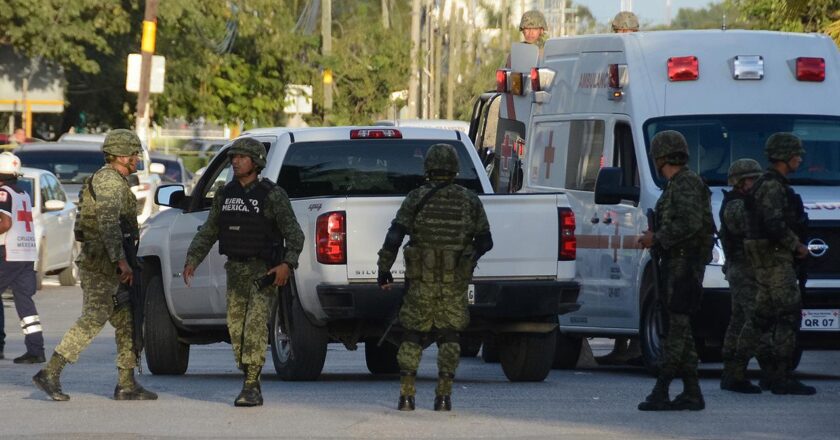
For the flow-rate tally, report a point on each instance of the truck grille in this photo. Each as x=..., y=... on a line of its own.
x=826, y=265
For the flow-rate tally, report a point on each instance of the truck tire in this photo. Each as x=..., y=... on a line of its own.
x=527, y=357
x=652, y=329
x=70, y=275
x=490, y=350
x=567, y=351
x=470, y=345
x=382, y=359
x=165, y=354
x=299, y=352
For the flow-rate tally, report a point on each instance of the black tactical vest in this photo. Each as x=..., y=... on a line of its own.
x=794, y=214
x=733, y=245
x=244, y=230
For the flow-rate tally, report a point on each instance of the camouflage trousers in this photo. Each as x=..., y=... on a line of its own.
x=98, y=286
x=435, y=309
x=778, y=303
x=739, y=343
x=679, y=352
x=248, y=311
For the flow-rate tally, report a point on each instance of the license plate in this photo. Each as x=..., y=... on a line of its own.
x=820, y=320
x=471, y=294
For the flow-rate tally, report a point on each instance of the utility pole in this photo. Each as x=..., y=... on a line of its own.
x=147, y=49
x=414, y=79
x=453, y=69
x=326, y=49
x=386, y=19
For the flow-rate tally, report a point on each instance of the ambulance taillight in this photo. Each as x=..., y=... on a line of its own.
x=567, y=240
x=541, y=79
x=683, y=68
x=501, y=81
x=810, y=69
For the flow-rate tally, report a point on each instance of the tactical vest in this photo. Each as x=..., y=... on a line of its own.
x=440, y=249
x=244, y=230
x=794, y=213
x=733, y=245
x=87, y=225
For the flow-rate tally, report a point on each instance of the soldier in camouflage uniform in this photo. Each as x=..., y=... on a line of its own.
x=625, y=22
x=684, y=242
x=448, y=232
x=737, y=350
x=108, y=213
x=258, y=232
x=533, y=26
x=771, y=246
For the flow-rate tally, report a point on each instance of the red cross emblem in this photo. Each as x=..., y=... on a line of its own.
x=548, y=155
x=507, y=152
x=25, y=215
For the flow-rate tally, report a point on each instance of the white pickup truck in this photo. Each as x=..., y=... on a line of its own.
x=345, y=185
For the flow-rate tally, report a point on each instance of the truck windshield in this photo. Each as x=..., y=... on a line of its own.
x=364, y=167
x=715, y=141
x=69, y=166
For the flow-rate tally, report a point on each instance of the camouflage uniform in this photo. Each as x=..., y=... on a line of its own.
x=249, y=308
x=447, y=236
x=770, y=246
x=684, y=240
x=103, y=221
x=738, y=343
x=625, y=21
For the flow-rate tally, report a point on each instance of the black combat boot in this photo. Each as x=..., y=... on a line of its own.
x=128, y=389
x=29, y=358
x=792, y=386
x=406, y=403
x=47, y=380
x=443, y=403
x=691, y=398
x=658, y=399
x=251, y=394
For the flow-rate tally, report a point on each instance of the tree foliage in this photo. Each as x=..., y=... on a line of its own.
x=713, y=16
x=793, y=15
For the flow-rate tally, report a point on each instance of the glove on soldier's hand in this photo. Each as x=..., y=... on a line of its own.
x=384, y=277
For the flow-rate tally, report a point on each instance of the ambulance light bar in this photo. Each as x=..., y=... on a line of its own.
x=748, y=67
x=375, y=134
x=541, y=79
x=683, y=68
x=810, y=69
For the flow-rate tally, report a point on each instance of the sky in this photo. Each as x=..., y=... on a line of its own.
x=649, y=11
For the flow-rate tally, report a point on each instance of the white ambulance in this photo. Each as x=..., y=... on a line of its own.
x=596, y=101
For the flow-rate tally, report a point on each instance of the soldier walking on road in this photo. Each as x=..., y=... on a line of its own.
x=448, y=232
x=108, y=213
x=684, y=239
x=17, y=259
x=257, y=230
x=738, y=344
x=771, y=246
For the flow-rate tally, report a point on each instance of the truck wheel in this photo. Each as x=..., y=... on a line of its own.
x=527, y=357
x=382, y=359
x=652, y=330
x=567, y=351
x=490, y=350
x=165, y=354
x=70, y=275
x=298, y=352
x=470, y=345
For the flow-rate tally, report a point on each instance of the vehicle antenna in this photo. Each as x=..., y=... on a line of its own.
x=723, y=27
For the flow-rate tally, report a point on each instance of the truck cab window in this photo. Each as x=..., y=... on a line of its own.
x=624, y=155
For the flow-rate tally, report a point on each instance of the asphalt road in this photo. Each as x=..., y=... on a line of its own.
x=348, y=402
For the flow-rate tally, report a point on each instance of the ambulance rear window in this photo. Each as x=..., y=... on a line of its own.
x=715, y=141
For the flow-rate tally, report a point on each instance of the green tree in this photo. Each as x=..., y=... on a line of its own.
x=794, y=15
x=710, y=17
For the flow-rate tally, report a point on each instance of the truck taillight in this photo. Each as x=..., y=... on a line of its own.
x=386, y=133
x=567, y=240
x=810, y=69
x=331, y=238
x=683, y=68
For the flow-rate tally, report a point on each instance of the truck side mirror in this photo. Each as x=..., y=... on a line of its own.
x=170, y=195
x=610, y=190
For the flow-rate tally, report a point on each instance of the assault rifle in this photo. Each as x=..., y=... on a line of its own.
x=654, y=254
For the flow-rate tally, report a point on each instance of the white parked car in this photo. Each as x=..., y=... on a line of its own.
x=53, y=215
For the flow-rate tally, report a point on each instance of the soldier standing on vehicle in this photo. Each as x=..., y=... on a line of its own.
x=739, y=342
x=257, y=230
x=771, y=246
x=684, y=238
x=107, y=214
x=625, y=22
x=448, y=232
x=17, y=259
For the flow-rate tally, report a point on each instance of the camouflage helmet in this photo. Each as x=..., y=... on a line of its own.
x=249, y=147
x=121, y=142
x=783, y=146
x=532, y=19
x=625, y=21
x=742, y=169
x=671, y=146
x=441, y=158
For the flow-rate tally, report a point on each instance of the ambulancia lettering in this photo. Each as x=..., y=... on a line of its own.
x=594, y=80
